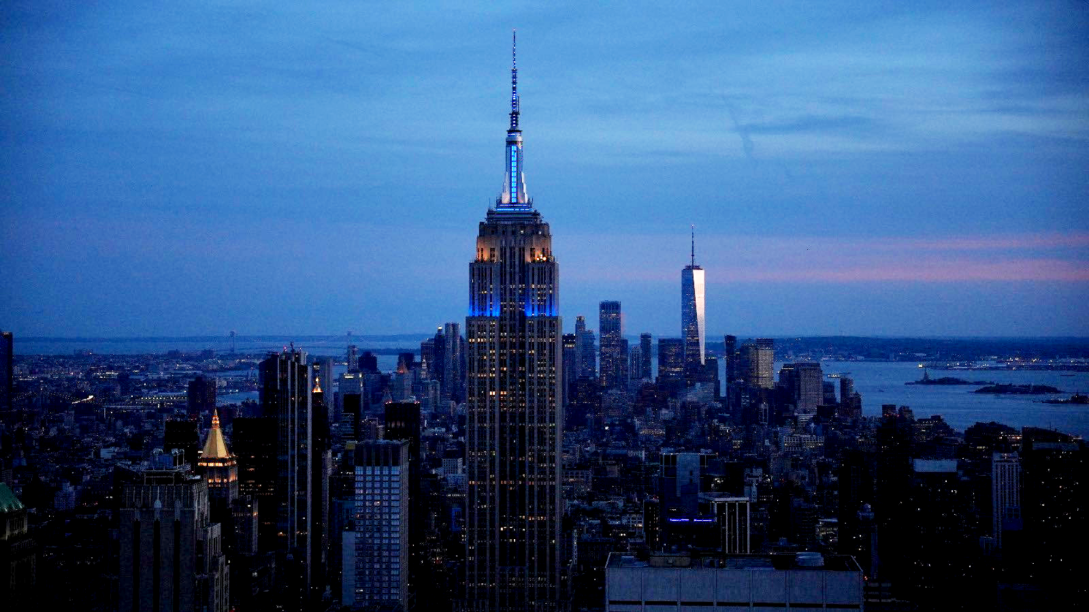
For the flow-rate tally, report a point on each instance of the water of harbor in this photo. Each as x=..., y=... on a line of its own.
x=883, y=383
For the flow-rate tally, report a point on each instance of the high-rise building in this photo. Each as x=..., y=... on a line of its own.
x=730, y=355
x=453, y=383
x=201, y=396
x=645, y=357
x=7, y=370
x=585, y=350
x=18, y=554
x=570, y=365
x=1005, y=494
x=220, y=470
x=289, y=395
x=757, y=361
x=635, y=361
x=733, y=517
x=368, y=362
x=404, y=422
x=804, y=384
x=375, y=547
x=693, y=328
x=1053, y=502
x=514, y=549
x=670, y=360
x=170, y=550
x=612, y=329
x=256, y=449
x=353, y=358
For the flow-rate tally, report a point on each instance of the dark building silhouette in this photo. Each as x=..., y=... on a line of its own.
x=368, y=362
x=1053, y=507
x=645, y=371
x=201, y=396
x=255, y=445
x=289, y=395
x=184, y=435
x=730, y=355
x=570, y=366
x=404, y=422
x=18, y=554
x=170, y=550
x=585, y=352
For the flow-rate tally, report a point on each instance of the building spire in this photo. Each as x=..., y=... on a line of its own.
x=693, y=245
x=514, y=196
x=514, y=80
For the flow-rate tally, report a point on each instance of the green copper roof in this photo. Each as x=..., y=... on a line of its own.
x=8, y=501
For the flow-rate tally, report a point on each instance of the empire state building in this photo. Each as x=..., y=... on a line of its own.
x=514, y=429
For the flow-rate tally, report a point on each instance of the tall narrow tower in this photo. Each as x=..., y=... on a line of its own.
x=692, y=322
x=514, y=505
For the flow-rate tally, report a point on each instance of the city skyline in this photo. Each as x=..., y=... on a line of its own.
x=860, y=171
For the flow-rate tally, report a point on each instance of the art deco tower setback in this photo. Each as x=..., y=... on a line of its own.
x=514, y=429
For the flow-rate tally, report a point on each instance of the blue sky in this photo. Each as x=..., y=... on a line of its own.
x=851, y=168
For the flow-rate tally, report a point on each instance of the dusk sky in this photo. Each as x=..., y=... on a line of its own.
x=862, y=168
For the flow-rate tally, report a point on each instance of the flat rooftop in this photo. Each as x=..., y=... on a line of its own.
x=786, y=561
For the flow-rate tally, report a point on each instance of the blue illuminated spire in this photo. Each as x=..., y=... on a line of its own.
x=514, y=81
x=514, y=186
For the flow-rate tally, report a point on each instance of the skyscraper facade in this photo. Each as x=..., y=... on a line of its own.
x=453, y=383
x=287, y=393
x=757, y=361
x=610, y=324
x=670, y=360
x=514, y=418
x=1005, y=494
x=584, y=348
x=692, y=315
x=375, y=548
x=570, y=365
x=170, y=551
x=201, y=396
x=255, y=446
x=730, y=355
x=645, y=356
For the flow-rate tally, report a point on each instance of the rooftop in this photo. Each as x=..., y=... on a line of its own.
x=791, y=561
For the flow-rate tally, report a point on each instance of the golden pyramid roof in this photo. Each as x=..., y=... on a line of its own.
x=215, y=447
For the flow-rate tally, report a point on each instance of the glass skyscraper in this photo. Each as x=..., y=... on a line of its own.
x=514, y=429
x=692, y=316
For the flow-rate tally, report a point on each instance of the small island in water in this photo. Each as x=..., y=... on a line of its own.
x=947, y=380
x=1019, y=390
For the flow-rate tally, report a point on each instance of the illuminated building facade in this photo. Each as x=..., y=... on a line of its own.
x=220, y=471
x=514, y=429
x=375, y=549
x=757, y=361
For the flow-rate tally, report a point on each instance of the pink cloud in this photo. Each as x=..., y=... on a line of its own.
x=1033, y=257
